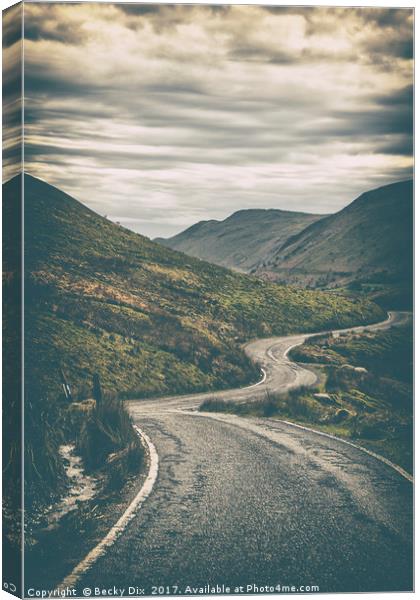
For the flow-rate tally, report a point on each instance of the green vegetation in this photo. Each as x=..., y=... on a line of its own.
x=102, y=434
x=106, y=440
x=390, y=296
x=150, y=321
x=295, y=404
x=366, y=391
x=101, y=431
x=387, y=353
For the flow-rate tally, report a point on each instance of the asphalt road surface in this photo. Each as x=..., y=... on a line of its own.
x=258, y=501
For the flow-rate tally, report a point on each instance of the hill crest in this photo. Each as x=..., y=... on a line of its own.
x=243, y=240
x=370, y=236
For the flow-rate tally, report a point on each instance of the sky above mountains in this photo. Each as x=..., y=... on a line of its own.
x=161, y=116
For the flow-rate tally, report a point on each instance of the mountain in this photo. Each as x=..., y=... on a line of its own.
x=370, y=240
x=243, y=240
x=149, y=320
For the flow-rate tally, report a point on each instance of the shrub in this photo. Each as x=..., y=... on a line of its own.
x=108, y=442
x=297, y=404
x=44, y=471
x=215, y=405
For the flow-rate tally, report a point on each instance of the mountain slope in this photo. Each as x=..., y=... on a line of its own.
x=241, y=241
x=100, y=298
x=369, y=238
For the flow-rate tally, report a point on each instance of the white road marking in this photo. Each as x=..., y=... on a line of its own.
x=147, y=487
x=262, y=380
x=293, y=365
x=397, y=468
x=100, y=549
x=248, y=425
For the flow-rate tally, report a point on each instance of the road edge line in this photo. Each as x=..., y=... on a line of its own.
x=379, y=457
x=262, y=380
x=216, y=416
x=99, y=550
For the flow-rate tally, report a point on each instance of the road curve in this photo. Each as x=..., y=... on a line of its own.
x=279, y=373
x=257, y=501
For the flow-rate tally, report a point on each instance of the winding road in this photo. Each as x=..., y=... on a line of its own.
x=261, y=502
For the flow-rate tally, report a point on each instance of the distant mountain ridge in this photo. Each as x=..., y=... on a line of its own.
x=371, y=238
x=243, y=240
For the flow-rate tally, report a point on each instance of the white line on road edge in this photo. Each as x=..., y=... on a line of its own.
x=264, y=377
x=379, y=457
x=397, y=468
x=100, y=549
x=262, y=432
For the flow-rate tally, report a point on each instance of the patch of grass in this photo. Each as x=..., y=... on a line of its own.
x=44, y=473
x=386, y=353
x=296, y=403
x=108, y=443
x=104, y=437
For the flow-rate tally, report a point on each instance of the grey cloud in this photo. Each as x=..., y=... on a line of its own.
x=401, y=97
x=383, y=50
x=12, y=25
x=45, y=25
x=62, y=32
x=183, y=127
x=385, y=17
x=12, y=87
x=163, y=87
x=402, y=146
x=253, y=53
x=140, y=9
x=155, y=9
x=373, y=122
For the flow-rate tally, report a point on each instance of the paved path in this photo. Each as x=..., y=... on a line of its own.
x=257, y=501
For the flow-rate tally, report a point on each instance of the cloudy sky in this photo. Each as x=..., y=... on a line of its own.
x=161, y=116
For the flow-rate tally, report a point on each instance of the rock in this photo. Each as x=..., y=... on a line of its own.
x=348, y=367
x=324, y=398
x=340, y=415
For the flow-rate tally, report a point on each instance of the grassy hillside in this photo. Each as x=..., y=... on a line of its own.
x=387, y=353
x=376, y=405
x=369, y=241
x=243, y=240
x=149, y=320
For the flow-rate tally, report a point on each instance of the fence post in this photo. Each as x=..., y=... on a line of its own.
x=66, y=387
x=97, y=390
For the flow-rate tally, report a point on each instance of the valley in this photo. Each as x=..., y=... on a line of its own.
x=244, y=240
x=365, y=246
x=169, y=332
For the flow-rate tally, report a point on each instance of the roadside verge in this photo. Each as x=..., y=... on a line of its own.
x=116, y=530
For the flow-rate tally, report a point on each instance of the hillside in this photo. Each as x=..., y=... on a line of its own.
x=243, y=240
x=369, y=240
x=150, y=321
